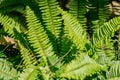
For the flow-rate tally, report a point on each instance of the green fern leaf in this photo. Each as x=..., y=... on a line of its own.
x=13, y=28
x=114, y=72
x=7, y=71
x=104, y=11
x=104, y=56
x=28, y=59
x=74, y=30
x=78, y=9
x=105, y=31
x=2, y=55
x=52, y=21
x=9, y=24
x=39, y=39
x=81, y=67
x=51, y=16
x=29, y=74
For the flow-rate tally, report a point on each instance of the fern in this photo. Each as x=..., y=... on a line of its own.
x=105, y=56
x=29, y=74
x=52, y=21
x=78, y=9
x=105, y=31
x=104, y=12
x=13, y=28
x=81, y=67
x=28, y=59
x=45, y=36
x=74, y=30
x=6, y=21
x=2, y=55
x=51, y=16
x=8, y=72
x=39, y=39
x=114, y=72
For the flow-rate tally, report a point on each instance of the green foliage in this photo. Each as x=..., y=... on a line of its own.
x=107, y=30
x=78, y=9
x=114, y=72
x=74, y=30
x=31, y=76
x=53, y=44
x=7, y=71
x=39, y=39
x=28, y=59
x=81, y=67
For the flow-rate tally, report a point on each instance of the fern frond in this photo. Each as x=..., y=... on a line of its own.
x=81, y=67
x=104, y=12
x=13, y=28
x=105, y=55
x=78, y=9
x=29, y=74
x=114, y=72
x=39, y=39
x=28, y=59
x=52, y=21
x=105, y=31
x=50, y=15
x=74, y=30
x=103, y=34
x=9, y=24
x=7, y=71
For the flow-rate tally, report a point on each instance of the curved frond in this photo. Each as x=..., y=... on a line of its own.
x=8, y=72
x=105, y=31
x=74, y=30
x=114, y=72
x=81, y=67
x=39, y=39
